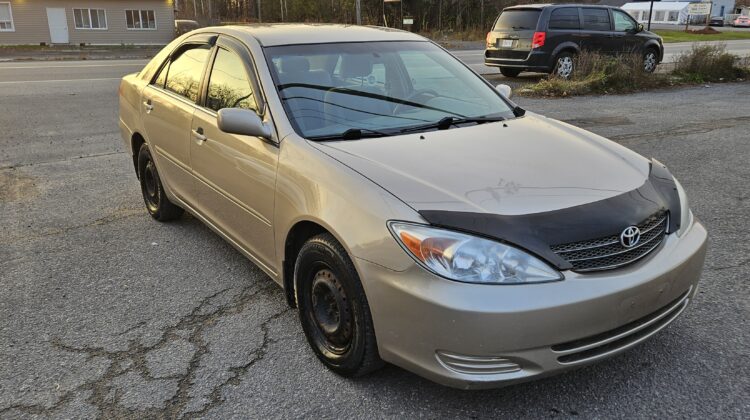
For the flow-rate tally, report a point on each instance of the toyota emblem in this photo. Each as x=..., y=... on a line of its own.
x=630, y=236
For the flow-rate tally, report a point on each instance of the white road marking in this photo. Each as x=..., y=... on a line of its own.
x=72, y=67
x=59, y=81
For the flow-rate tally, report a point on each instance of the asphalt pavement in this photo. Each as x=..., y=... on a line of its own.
x=107, y=313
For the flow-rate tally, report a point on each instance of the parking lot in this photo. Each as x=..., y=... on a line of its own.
x=105, y=312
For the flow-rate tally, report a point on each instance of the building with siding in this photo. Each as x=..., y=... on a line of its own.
x=94, y=22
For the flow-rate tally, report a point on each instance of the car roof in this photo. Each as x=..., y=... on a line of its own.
x=545, y=5
x=274, y=34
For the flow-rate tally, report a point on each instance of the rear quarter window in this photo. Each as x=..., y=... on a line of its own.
x=517, y=20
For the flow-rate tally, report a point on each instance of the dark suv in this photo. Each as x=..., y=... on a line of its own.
x=546, y=37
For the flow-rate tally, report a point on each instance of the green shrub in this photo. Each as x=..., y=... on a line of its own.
x=708, y=63
x=598, y=73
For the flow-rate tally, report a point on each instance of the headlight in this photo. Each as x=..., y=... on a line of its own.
x=686, y=216
x=470, y=259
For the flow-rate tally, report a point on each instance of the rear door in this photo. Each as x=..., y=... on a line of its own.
x=235, y=174
x=511, y=36
x=564, y=26
x=167, y=110
x=597, y=30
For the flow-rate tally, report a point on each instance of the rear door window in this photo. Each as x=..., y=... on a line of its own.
x=185, y=71
x=518, y=19
x=596, y=19
x=565, y=18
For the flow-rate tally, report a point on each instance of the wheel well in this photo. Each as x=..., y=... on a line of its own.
x=298, y=235
x=136, y=141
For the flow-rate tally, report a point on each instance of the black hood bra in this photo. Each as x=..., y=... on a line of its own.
x=538, y=232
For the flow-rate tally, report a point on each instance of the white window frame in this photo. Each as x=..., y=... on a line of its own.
x=10, y=12
x=140, y=14
x=90, y=28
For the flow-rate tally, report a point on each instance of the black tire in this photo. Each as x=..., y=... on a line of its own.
x=157, y=203
x=564, y=65
x=333, y=308
x=510, y=72
x=650, y=60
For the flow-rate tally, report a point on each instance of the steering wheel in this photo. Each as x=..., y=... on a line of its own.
x=427, y=94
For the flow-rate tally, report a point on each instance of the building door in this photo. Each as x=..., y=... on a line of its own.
x=58, y=25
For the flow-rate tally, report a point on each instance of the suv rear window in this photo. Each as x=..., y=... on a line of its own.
x=518, y=19
x=565, y=18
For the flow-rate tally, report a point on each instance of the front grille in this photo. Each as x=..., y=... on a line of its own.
x=600, y=345
x=608, y=253
x=508, y=54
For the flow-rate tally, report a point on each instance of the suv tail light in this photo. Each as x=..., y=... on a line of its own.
x=538, y=39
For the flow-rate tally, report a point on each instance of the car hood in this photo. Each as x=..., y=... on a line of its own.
x=526, y=165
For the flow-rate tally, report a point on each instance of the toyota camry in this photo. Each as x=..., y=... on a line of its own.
x=410, y=210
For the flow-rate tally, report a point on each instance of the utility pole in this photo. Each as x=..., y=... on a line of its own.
x=650, y=12
x=359, y=12
x=260, y=14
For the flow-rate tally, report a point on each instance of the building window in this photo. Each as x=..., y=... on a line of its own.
x=90, y=18
x=140, y=19
x=673, y=16
x=6, y=18
x=659, y=16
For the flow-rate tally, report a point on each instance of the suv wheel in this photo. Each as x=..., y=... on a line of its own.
x=510, y=72
x=333, y=308
x=650, y=61
x=157, y=203
x=564, y=65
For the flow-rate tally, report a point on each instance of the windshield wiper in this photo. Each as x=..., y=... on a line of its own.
x=446, y=123
x=352, y=134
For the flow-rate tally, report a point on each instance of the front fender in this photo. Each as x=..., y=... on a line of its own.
x=312, y=186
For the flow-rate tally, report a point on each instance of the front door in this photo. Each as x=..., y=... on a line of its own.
x=235, y=174
x=625, y=35
x=58, y=25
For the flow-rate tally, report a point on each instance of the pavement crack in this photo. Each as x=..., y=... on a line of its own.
x=215, y=397
x=104, y=395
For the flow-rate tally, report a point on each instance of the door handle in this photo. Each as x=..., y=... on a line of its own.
x=198, y=134
x=148, y=106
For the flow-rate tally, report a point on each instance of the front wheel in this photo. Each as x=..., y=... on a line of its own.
x=650, y=61
x=333, y=309
x=564, y=65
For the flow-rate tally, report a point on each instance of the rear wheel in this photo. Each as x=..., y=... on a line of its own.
x=157, y=203
x=564, y=65
x=650, y=61
x=333, y=308
x=510, y=72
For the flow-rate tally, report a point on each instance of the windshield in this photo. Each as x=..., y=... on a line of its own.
x=377, y=87
x=518, y=19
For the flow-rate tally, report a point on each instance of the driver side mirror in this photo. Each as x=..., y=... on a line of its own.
x=244, y=122
x=504, y=90
x=639, y=28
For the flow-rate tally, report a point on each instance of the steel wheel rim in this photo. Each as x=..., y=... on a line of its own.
x=151, y=186
x=331, y=313
x=564, y=67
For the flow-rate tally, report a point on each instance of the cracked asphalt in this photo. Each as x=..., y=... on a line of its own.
x=106, y=313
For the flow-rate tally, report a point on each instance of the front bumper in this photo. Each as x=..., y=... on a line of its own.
x=482, y=336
